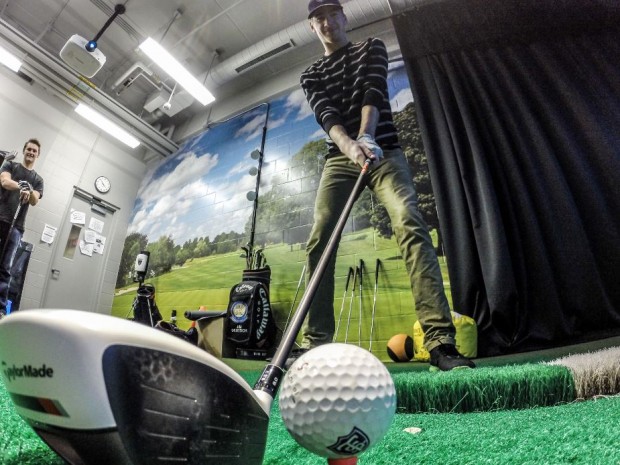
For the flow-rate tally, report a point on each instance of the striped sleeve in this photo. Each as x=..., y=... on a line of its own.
x=337, y=86
x=325, y=111
x=375, y=86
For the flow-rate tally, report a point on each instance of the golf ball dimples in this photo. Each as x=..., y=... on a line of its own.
x=337, y=400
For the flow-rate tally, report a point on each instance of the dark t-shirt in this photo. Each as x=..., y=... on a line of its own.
x=9, y=200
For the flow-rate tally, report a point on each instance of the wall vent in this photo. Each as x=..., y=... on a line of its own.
x=264, y=56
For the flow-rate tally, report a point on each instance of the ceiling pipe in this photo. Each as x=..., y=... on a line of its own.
x=359, y=13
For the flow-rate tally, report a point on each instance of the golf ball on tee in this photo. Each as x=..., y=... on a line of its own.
x=337, y=400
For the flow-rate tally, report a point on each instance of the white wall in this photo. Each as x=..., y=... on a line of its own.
x=73, y=153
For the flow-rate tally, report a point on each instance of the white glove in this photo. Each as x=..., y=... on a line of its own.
x=371, y=145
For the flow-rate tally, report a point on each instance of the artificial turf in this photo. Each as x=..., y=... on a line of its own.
x=495, y=430
x=576, y=433
x=580, y=433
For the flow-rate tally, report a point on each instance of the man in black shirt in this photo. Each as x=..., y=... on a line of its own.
x=20, y=186
x=347, y=90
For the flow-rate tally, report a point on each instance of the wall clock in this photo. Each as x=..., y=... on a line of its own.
x=102, y=184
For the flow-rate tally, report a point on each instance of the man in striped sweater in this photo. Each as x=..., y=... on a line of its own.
x=347, y=90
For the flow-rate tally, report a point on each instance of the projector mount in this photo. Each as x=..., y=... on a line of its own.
x=91, y=45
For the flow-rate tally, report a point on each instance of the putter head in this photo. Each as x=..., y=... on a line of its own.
x=103, y=390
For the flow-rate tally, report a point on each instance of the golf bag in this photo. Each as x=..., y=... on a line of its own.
x=144, y=308
x=18, y=274
x=249, y=325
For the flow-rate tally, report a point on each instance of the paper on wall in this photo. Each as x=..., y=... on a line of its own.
x=77, y=217
x=86, y=249
x=48, y=234
x=96, y=225
x=90, y=236
x=99, y=244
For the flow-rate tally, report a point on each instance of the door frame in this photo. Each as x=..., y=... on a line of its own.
x=97, y=205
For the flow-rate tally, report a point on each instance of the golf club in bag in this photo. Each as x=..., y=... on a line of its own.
x=101, y=390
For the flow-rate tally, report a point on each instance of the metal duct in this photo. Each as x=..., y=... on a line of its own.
x=56, y=74
x=359, y=13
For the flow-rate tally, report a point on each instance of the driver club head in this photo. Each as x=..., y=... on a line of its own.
x=103, y=390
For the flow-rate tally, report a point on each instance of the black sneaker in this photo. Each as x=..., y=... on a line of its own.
x=445, y=357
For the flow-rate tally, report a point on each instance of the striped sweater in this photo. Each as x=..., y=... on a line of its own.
x=339, y=85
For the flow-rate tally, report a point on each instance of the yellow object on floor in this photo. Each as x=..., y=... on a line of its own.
x=466, y=338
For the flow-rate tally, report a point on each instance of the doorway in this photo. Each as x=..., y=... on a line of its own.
x=80, y=254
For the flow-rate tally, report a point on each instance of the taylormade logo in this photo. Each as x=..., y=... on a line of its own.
x=26, y=371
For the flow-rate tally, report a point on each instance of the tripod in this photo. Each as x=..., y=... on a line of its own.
x=144, y=308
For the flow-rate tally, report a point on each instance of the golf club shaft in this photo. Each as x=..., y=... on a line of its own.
x=290, y=312
x=148, y=304
x=271, y=378
x=374, y=304
x=10, y=231
x=344, y=296
x=359, y=323
x=346, y=332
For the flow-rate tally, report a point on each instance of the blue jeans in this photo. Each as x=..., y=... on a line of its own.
x=392, y=183
x=5, y=265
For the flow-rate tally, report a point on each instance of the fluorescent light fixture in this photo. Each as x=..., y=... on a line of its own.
x=170, y=65
x=9, y=60
x=108, y=126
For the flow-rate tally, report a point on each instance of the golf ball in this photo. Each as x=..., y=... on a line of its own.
x=337, y=400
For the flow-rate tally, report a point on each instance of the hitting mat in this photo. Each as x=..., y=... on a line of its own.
x=515, y=414
x=581, y=376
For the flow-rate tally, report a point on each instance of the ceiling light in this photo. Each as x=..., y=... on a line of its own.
x=108, y=126
x=171, y=66
x=9, y=60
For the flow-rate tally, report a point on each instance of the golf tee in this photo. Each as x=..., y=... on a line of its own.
x=343, y=461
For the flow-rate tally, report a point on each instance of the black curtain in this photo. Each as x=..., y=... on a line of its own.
x=519, y=107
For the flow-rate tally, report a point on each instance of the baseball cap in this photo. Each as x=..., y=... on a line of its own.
x=316, y=4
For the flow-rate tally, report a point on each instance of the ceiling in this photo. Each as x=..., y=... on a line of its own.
x=230, y=45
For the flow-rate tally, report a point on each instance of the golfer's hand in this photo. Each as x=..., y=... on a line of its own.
x=25, y=191
x=24, y=196
x=359, y=152
x=24, y=185
x=369, y=142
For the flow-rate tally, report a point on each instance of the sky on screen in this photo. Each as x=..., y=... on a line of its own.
x=190, y=193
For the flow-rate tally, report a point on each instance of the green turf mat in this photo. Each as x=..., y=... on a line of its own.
x=484, y=389
x=578, y=433
x=19, y=444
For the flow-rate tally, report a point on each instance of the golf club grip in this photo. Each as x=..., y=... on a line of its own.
x=346, y=285
x=194, y=315
x=290, y=335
